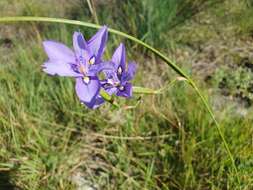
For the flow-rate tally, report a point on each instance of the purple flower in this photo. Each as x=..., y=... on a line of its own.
x=117, y=80
x=84, y=63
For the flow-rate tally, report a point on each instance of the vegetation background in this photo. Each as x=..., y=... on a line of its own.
x=48, y=140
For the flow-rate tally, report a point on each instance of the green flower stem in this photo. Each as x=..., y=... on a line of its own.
x=141, y=90
x=155, y=51
x=218, y=128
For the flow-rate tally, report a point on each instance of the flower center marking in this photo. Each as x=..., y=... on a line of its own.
x=121, y=88
x=119, y=70
x=92, y=60
x=86, y=79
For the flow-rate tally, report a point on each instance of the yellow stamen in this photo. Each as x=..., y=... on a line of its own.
x=82, y=69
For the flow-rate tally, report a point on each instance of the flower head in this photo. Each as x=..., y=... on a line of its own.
x=118, y=79
x=84, y=63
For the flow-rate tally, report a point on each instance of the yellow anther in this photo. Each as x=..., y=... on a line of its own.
x=82, y=69
x=117, y=84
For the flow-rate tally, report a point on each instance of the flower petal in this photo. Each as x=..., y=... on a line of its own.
x=58, y=51
x=129, y=75
x=119, y=57
x=112, y=90
x=79, y=43
x=97, y=102
x=98, y=42
x=60, y=68
x=127, y=92
x=87, y=92
x=103, y=66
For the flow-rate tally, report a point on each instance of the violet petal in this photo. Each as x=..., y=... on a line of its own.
x=98, y=42
x=60, y=68
x=126, y=92
x=103, y=66
x=97, y=102
x=87, y=92
x=129, y=74
x=79, y=44
x=58, y=51
x=119, y=57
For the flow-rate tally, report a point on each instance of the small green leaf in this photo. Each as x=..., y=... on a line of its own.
x=106, y=96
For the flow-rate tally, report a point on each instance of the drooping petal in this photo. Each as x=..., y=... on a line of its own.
x=119, y=58
x=60, y=68
x=126, y=92
x=79, y=44
x=58, y=51
x=129, y=75
x=97, y=102
x=98, y=42
x=87, y=92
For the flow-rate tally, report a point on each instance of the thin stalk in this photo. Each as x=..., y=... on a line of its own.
x=155, y=51
x=92, y=10
x=91, y=25
x=217, y=127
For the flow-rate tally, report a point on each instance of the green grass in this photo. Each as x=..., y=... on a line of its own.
x=168, y=141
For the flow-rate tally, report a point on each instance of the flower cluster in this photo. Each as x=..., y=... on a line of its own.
x=85, y=64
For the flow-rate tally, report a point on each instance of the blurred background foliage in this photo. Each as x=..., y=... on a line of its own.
x=49, y=141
